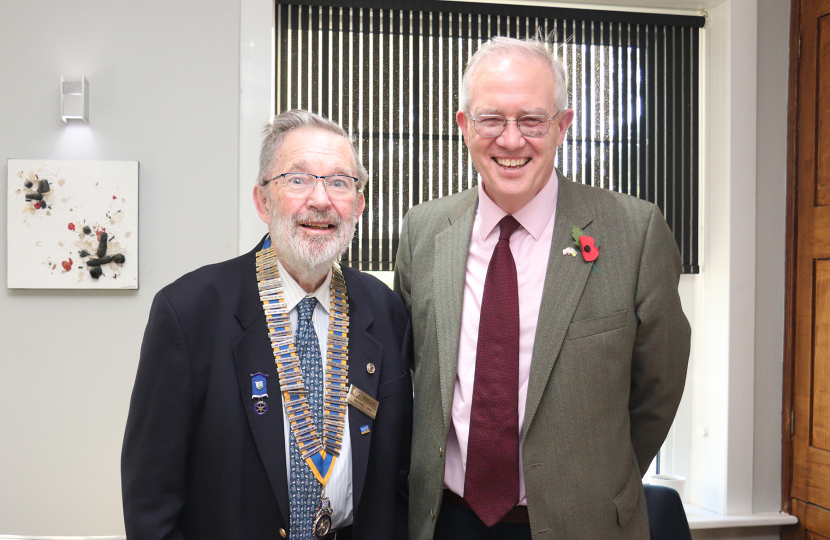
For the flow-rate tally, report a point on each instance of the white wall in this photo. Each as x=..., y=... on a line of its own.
x=164, y=83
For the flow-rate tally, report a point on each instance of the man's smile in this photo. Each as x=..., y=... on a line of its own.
x=512, y=163
x=318, y=226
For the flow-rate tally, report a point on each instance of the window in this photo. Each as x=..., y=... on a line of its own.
x=389, y=73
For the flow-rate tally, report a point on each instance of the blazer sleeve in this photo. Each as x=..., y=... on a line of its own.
x=661, y=349
x=156, y=440
x=402, y=506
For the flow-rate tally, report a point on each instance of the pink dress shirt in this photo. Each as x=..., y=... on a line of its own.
x=530, y=245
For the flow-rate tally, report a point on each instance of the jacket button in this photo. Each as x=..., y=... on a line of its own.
x=432, y=513
x=370, y=368
x=441, y=451
x=282, y=533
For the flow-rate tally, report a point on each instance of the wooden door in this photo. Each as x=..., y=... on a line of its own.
x=809, y=273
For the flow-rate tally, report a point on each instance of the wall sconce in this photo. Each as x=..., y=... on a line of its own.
x=74, y=99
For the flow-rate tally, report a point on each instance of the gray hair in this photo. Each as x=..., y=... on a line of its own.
x=538, y=47
x=280, y=125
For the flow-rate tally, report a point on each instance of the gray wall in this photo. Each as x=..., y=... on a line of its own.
x=770, y=228
x=164, y=83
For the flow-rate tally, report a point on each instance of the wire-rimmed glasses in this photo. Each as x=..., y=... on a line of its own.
x=337, y=186
x=531, y=125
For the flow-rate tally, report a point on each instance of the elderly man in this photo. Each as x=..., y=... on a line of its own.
x=273, y=397
x=550, y=345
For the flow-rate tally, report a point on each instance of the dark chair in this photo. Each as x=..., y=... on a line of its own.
x=666, y=517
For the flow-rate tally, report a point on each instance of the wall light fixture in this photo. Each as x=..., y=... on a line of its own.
x=74, y=99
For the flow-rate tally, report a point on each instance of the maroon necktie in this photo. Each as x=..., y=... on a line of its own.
x=491, y=485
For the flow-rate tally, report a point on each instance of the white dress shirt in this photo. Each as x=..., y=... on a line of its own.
x=339, y=486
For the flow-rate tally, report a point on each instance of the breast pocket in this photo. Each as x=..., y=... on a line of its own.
x=597, y=325
x=396, y=385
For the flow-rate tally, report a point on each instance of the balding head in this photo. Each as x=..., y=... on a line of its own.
x=533, y=48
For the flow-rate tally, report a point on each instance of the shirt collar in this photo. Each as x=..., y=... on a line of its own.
x=293, y=293
x=533, y=217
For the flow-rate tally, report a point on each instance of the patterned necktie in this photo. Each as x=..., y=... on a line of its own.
x=491, y=484
x=304, y=490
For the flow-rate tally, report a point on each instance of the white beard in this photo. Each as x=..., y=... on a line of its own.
x=309, y=256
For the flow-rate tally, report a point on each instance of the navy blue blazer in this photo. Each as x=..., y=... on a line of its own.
x=198, y=463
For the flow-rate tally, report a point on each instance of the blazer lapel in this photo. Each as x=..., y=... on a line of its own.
x=363, y=348
x=565, y=280
x=252, y=354
x=449, y=274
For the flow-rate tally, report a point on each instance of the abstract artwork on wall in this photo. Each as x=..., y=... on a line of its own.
x=72, y=224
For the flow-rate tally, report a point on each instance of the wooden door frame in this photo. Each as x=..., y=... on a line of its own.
x=791, y=240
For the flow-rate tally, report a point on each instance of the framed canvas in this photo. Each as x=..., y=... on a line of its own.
x=72, y=224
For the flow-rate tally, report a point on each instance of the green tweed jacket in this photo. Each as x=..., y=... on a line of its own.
x=607, y=372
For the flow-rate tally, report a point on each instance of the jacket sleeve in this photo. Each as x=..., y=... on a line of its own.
x=155, y=448
x=403, y=275
x=661, y=350
x=403, y=264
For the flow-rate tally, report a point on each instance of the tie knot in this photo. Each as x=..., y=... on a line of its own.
x=306, y=308
x=507, y=226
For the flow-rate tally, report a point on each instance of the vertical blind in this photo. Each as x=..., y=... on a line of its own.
x=389, y=73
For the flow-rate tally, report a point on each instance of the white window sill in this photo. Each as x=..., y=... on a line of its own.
x=701, y=518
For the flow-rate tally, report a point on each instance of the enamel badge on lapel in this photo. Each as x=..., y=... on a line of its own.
x=259, y=390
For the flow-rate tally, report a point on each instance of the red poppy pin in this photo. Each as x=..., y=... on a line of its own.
x=590, y=251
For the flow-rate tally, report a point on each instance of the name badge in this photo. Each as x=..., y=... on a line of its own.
x=362, y=401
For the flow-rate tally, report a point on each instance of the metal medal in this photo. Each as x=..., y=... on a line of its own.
x=322, y=520
x=260, y=407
